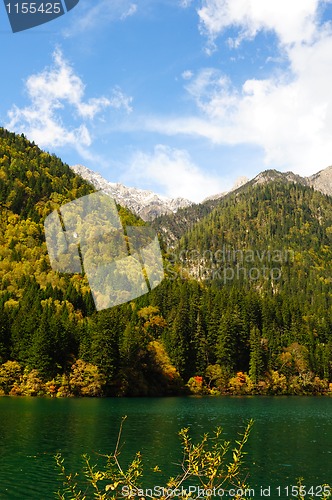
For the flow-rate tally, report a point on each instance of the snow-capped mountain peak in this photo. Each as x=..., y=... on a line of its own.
x=147, y=204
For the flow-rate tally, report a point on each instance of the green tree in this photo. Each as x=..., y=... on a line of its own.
x=256, y=356
x=104, y=344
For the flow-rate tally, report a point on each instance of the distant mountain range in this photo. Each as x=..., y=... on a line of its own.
x=149, y=205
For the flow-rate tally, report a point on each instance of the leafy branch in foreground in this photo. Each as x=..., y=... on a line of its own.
x=205, y=464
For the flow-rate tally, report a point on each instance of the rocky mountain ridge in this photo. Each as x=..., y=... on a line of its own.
x=320, y=181
x=146, y=204
x=150, y=206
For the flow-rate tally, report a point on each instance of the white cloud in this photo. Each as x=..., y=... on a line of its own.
x=213, y=93
x=293, y=21
x=120, y=100
x=289, y=113
x=132, y=9
x=93, y=17
x=187, y=74
x=185, y=3
x=53, y=92
x=173, y=172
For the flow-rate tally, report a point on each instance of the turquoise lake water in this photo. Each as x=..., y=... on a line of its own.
x=291, y=438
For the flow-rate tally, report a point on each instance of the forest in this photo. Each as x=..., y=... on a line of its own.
x=245, y=306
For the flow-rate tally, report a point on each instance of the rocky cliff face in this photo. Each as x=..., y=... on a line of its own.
x=322, y=181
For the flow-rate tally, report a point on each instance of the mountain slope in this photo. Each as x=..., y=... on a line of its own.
x=145, y=204
x=173, y=217
x=264, y=257
x=33, y=184
x=271, y=216
x=172, y=228
x=322, y=181
x=49, y=330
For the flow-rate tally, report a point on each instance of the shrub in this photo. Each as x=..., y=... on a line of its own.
x=206, y=464
x=10, y=376
x=212, y=463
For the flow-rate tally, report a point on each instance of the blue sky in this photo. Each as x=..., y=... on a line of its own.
x=178, y=96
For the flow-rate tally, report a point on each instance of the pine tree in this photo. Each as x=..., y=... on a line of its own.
x=104, y=353
x=256, y=355
x=232, y=348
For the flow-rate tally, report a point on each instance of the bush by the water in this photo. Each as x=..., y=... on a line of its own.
x=211, y=468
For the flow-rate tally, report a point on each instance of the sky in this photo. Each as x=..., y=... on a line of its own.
x=182, y=97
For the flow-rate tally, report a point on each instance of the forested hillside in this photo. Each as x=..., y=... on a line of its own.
x=262, y=259
x=49, y=330
x=245, y=306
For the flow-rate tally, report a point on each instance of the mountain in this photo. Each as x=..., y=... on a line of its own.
x=172, y=228
x=322, y=181
x=173, y=217
x=240, y=181
x=262, y=259
x=52, y=340
x=245, y=306
x=247, y=227
x=146, y=204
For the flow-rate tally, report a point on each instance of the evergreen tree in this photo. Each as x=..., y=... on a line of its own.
x=256, y=355
x=104, y=347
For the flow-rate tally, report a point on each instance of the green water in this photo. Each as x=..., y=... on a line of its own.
x=292, y=437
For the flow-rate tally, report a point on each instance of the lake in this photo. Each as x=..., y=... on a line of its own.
x=291, y=438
